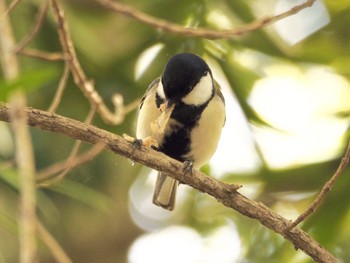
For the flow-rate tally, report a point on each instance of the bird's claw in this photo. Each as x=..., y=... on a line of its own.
x=188, y=167
x=137, y=143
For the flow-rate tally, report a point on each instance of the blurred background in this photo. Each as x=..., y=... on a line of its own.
x=287, y=91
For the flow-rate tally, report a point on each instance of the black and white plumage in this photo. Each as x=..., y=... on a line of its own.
x=184, y=112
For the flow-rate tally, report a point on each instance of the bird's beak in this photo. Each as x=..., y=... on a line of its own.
x=169, y=103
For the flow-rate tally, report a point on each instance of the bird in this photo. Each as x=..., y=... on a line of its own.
x=183, y=112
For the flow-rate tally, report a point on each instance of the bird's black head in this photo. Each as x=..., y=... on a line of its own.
x=182, y=72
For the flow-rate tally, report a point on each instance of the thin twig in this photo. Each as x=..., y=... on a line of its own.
x=60, y=89
x=326, y=188
x=26, y=167
x=131, y=106
x=38, y=24
x=199, y=32
x=49, y=56
x=47, y=177
x=225, y=193
x=121, y=110
x=12, y=6
x=44, y=177
x=80, y=79
x=55, y=248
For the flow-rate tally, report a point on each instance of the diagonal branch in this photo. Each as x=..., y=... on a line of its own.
x=326, y=188
x=48, y=175
x=133, y=13
x=60, y=89
x=12, y=6
x=224, y=193
x=80, y=78
x=56, y=250
x=39, y=22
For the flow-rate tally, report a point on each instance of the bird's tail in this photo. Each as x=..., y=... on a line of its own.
x=165, y=191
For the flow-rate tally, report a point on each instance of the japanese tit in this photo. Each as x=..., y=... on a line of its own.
x=184, y=112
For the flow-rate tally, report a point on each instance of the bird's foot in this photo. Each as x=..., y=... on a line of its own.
x=188, y=167
x=137, y=143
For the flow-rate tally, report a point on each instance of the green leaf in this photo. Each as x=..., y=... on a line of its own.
x=44, y=203
x=10, y=176
x=8, y=222
x=84, y=195
x=27, y=82
x=69, y=188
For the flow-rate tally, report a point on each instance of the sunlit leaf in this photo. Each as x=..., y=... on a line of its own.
x=242, y=81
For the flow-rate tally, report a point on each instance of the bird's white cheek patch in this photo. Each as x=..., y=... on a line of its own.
x=201, y=93
x=160, y=90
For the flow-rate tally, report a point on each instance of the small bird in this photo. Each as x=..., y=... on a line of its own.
x=183, y=111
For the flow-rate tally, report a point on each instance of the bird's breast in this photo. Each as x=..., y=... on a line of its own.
x=206, y=134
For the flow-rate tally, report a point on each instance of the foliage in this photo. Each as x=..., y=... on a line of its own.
x=92, y=212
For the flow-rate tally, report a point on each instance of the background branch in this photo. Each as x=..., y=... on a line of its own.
x=12, y=6
x=325, y=189
x=133, y=13
x=56, y=250
x=224, y=193
x=80, y=79
x=50, y=176
x=25, y=163
x=8, y=59
x=60, y=89
x=24, y=150
x=39, y=22
x=50, y=56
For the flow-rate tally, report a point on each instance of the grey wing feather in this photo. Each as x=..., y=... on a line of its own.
x=152, y=85
x=218, y=91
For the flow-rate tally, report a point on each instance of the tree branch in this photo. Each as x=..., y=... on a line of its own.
x=80, y=79
x=12, y=6
x=53, y=56
x=133, y=13
x=26, y=167
x=60, y=89
x=224, y=193
x=55, y=248
x=23, y=144
x=48, y=175
x=34, y=31
x=326, y=188
x=9, y=62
